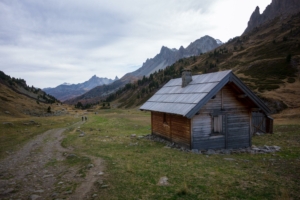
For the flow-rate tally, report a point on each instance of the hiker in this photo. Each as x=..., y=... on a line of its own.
x=82, y=118
x=85, y=118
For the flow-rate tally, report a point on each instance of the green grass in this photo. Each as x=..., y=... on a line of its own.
x=134, y=165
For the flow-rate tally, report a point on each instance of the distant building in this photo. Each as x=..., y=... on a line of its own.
x=208, y=111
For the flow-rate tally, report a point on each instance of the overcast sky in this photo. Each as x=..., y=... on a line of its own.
x=49, y=42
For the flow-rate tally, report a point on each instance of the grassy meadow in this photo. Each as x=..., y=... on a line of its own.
x=133, y=166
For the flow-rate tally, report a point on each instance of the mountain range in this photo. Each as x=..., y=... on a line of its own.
x=66, y=90
x=167, y=56
x=164, y=58
x=265, y=57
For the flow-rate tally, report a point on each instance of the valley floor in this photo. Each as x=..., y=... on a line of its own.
x=107, y=157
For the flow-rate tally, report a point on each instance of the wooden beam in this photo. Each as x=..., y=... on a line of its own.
x=222, y=104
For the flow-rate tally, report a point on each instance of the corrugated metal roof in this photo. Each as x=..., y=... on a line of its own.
x=172, y=98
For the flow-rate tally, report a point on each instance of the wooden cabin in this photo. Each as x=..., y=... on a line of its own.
x=208, y=111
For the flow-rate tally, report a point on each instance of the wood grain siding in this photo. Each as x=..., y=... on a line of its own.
x=159, y=127
x=230, y=100
x=216, y=142
x=176, y=129
x=215, y=103
x=181, y=130
x=202, y=129
x=235, y=124
x=238, y=119
x=238, y=125
x=202, y=126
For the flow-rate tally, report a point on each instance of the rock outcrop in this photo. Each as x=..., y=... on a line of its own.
x=278, y=8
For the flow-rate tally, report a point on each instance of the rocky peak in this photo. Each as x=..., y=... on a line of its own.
x=275, y=9
x=254, y=19
x=219, y=42
x=168, y=56
x=181, y=49
x=93, y=78
x=255, y=15
x=164, y=50
x=201, y=45
x=66, y=91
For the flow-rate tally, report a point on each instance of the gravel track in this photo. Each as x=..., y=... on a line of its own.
x=36, y=171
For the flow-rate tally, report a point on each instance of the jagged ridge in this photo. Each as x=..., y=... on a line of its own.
x=165, y=58
x=168, y=56
x=67, y=91
x=278, y=8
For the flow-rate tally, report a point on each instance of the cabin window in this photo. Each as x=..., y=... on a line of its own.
x=217, y=124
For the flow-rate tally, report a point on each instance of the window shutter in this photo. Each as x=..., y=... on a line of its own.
x=218, y=124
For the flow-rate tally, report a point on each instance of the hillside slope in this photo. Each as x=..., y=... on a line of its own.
x=19, y=100
x=267, y=59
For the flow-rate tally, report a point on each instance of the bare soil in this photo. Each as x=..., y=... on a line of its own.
x=39, y=171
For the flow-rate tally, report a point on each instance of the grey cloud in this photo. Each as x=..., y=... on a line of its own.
x=75, y=39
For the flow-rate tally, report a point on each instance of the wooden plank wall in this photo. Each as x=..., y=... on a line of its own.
x=202, y=128
x=177, y=129
x=181, y=130
x=236, y=122
x=159, y=127
x=238, y=125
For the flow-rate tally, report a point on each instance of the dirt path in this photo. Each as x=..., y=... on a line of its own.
x=37, y=171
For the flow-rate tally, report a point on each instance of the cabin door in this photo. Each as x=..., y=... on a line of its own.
x=238, y=129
